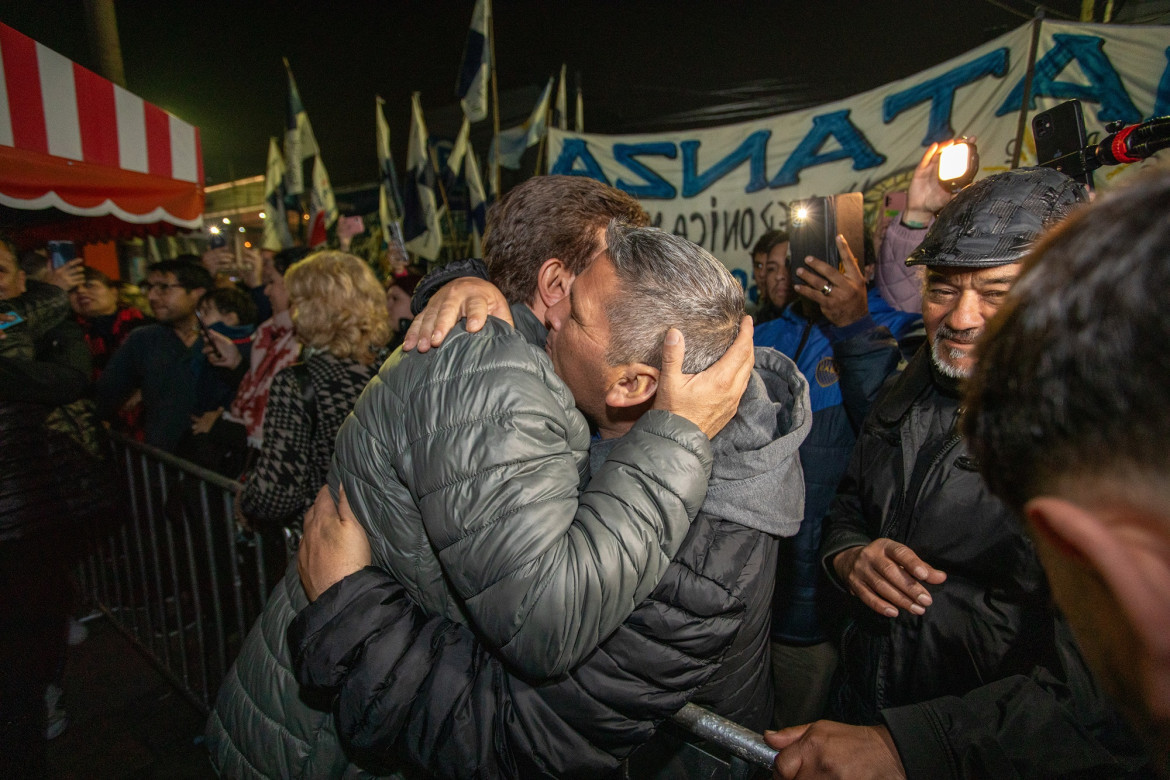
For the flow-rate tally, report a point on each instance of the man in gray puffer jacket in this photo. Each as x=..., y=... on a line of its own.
x=484, y=425
x=424, y=690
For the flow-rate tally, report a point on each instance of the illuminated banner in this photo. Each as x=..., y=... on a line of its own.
x=723, y=187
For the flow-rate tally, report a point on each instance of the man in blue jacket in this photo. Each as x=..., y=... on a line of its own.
x=844, y=339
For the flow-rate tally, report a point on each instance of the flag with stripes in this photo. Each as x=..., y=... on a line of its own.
x=475, y=71
x=299, y=142
x=276, y=233
x=509, y=145
x=420, y=213
x=389, y=197
x=323, y=206
x=476, y=203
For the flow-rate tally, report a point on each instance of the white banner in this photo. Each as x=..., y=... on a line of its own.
x=723, y=187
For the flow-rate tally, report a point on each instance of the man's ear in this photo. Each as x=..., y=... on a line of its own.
x=1126, y=548
x=634, y=384
x=553, y=281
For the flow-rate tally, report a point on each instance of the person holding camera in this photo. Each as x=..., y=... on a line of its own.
x=900, y=284
x=844, y=339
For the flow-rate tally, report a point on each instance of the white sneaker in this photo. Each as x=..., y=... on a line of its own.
x=56, y=722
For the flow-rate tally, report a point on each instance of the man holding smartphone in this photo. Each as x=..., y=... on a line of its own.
x=162, y=360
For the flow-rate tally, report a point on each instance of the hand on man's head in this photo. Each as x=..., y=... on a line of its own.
x=710, y=398
x=467, y=298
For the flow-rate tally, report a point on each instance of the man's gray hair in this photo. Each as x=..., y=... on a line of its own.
x=665, y=281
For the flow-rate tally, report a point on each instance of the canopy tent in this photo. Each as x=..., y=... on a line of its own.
x=82, y=158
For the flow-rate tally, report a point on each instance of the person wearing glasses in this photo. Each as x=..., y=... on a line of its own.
x=163, y=360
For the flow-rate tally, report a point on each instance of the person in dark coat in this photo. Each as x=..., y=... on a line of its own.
x=1069, y=415
x=845, y=340
x=954, y=662
x=44, y=365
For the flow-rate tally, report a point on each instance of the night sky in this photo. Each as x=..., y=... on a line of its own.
x=643, y=65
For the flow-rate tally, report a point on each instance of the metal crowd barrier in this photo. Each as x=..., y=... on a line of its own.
x=176, y=577
x=173, y=574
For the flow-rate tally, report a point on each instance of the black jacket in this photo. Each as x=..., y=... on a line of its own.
x=425, y=690
x=44, y=365
x=989, y=682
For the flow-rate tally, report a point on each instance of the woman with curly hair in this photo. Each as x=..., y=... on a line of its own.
x=338, y=311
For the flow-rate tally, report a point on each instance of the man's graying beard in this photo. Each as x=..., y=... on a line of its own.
x=939, y=353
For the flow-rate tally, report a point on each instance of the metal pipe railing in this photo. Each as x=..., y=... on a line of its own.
x=180, y=594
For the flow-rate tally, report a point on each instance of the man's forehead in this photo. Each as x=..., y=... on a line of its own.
x=998, y=274
x=167, y=277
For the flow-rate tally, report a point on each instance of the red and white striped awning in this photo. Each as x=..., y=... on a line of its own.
x=71, y=140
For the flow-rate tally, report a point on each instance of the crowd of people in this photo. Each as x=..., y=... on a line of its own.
x=908, y=523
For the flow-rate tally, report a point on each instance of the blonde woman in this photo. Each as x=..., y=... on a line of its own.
x=338, y=311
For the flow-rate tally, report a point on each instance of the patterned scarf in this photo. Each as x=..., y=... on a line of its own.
x=274, y=346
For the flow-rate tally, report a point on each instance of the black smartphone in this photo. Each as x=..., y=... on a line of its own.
x=61, y=252
x=813, y=225
x=1058, y=133
x=206, y=333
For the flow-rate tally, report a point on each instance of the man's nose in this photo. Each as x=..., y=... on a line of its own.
x=968, y=312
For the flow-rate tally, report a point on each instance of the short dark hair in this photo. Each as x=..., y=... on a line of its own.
x=546, y=217
x=1069, y=379
x=285, y=258
x=769, y=241
x=192, y=276
x=665, y=281
x=94, y=275
x=33, y=262
x=231, y=300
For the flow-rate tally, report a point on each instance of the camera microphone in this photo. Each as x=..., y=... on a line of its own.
x=1135, y=143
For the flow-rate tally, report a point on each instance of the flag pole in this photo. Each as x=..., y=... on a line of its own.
x=543, y=139
x=1022, y=120
x=495, y=98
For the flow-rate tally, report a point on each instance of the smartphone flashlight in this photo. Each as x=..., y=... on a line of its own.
x=958, y=164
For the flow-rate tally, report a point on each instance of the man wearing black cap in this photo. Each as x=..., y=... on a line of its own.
x=953, y=661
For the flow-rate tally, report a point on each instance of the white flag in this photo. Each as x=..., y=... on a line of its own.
x=509, y=146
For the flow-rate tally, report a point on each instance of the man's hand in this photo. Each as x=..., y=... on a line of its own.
x=334, y=545
x=845, y=302
x=229, y=354
x=927, y=195
x=887, y=576
x=202, y=423
x=710, y=398
x=219, y=258
x=467, y=297
x=833, y=750
x=252, y=263
x=69, y=275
